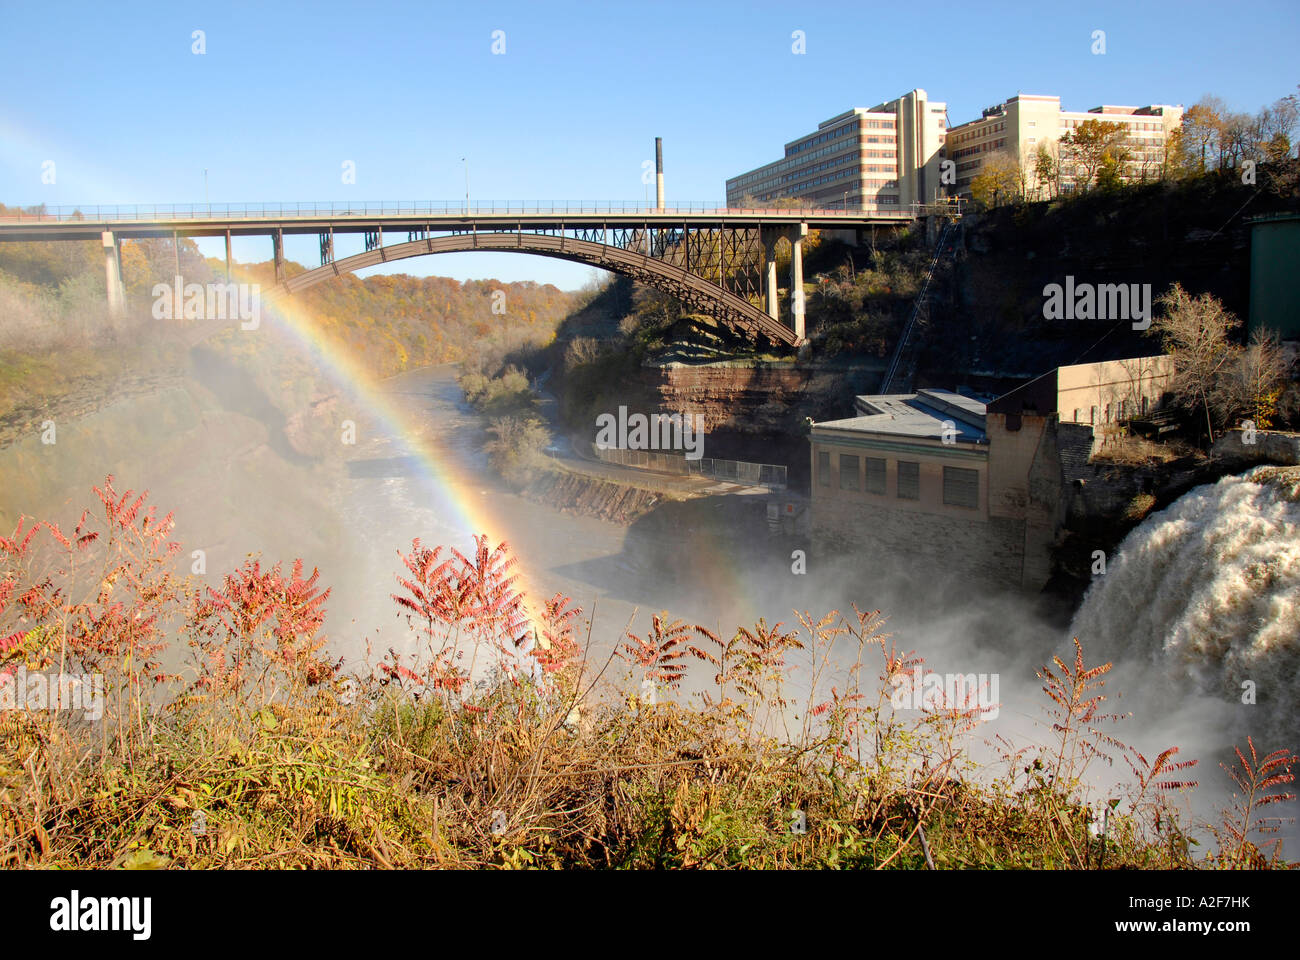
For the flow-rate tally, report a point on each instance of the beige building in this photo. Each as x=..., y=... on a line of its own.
x=1102, y=396
x=889, y=155
x=967, y=488
x=1016, y=129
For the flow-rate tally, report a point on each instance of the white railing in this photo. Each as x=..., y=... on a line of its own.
x=101, y=213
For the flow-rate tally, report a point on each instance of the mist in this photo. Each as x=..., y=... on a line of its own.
x=209, y=448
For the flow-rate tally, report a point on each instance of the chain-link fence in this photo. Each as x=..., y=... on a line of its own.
x=771, y=475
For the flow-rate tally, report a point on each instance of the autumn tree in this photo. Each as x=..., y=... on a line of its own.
x=996, y=183
x=1047, y=170
x=1252, y=381
x=1201, y=128
x=1090, y=146
x=1196, y=332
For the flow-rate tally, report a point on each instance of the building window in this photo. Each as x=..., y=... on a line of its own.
x=909, y=480
x=848, y=472
x=1144, y=404
x=1076, y=414
x=875, y=475
x=1092, y=416
x=823, y=468
x=961, y=487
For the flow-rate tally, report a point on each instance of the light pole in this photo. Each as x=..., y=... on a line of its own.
x=206, y=201
x=466, y=162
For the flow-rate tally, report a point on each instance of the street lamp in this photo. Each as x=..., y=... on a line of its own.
x=466, y=162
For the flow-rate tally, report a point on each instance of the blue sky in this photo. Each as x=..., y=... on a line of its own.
x=287, y=92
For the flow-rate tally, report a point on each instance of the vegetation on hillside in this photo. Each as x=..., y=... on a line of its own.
x=491, y=738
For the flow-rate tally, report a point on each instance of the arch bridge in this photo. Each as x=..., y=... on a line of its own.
x=718, y=260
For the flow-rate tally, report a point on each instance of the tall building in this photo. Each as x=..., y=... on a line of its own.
x=886, y=155
x=1013, y=131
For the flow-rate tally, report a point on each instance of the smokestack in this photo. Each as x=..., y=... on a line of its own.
x=659, y=173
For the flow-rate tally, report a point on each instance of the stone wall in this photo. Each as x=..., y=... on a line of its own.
x=986, y=551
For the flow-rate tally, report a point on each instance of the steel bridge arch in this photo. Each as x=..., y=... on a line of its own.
x=691, y=289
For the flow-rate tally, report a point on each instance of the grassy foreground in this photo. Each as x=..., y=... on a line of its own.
x=261, y=752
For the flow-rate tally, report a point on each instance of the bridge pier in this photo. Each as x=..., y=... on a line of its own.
x=277, y=253
x=113, y=275
x=796, y=280
x=770, y=237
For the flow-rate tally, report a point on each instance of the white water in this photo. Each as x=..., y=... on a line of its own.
x=1204, y=597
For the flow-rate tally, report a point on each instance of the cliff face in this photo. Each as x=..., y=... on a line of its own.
x=991, y=318
x=756, y=398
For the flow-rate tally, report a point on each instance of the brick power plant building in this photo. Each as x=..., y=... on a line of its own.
x=973, y=488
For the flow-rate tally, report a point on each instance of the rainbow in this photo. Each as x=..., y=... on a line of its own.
x=462, y=505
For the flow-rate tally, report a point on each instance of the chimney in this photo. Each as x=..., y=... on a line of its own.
x=659, y=173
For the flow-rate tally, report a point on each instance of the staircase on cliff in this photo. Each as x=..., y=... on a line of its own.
x=902, y=366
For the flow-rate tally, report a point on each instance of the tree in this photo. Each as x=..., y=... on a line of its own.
x=1047, y=170
x=517, y=448
x=1201, y=127
x=1253, y=381
x=1277, y=127
x=1239, y=138
x=1088, y=146
x=1110, y=175
x=1195, y=331
x=996, y=183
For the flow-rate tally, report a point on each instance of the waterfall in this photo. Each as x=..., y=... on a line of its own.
x=1207, y=594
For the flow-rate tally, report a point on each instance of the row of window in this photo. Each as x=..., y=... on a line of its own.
x=830, y=135
x=981, y=148
x=960, y=485
x=1120, y=411
x=767, y=177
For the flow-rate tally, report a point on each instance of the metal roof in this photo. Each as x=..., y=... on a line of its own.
x=920, y=415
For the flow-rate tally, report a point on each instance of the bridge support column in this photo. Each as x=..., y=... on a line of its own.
x=227, y=256
x=113, y=275
x=769, y=238
x=796, y=280
x=277, y=251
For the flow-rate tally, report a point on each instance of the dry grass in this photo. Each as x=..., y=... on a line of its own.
x=495, y=741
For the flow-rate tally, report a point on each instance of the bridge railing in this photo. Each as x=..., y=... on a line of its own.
x=102, y=213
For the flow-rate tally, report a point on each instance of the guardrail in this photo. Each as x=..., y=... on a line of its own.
x=333, y=209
